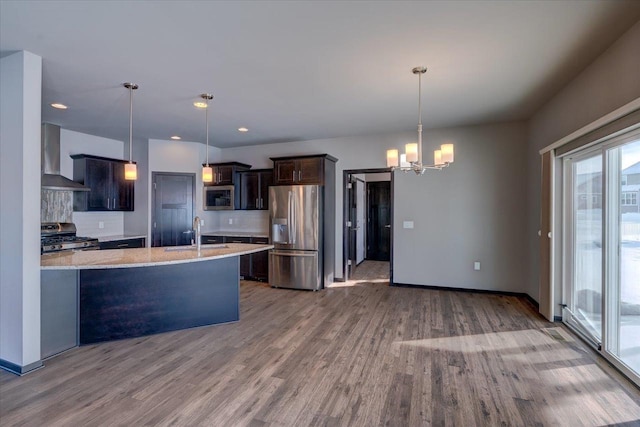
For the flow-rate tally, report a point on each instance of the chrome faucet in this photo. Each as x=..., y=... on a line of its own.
x=197, y=231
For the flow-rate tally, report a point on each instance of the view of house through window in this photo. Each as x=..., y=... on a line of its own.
x=602, y=246
x=624, y=274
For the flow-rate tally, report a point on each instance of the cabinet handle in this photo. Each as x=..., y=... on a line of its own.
x=293, y=177
x=257, y=203
x=114, y=203
x=123, y=245
x=300, y=175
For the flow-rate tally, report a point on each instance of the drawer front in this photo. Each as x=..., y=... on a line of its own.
x=123, y=244
x=231, y=239
x=206, y=240
x=260, y=240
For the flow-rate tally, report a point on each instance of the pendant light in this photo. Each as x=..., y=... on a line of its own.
x=130, y=169
x=207, y=171
x=411, y=160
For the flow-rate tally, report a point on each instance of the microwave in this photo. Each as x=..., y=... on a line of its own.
x=218, y=197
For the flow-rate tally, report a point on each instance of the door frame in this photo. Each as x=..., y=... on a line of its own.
x=153, y=197
x=346, y=177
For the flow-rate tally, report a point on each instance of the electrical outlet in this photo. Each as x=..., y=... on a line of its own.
x=202, y=223
x=407, y=224
x=100, y=224
x=230, y=221
x=476, y=265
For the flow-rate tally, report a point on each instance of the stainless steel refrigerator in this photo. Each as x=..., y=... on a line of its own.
x=296, y=217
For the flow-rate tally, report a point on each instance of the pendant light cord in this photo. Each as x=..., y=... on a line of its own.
x=206, y=115
x=131, y=124
x=420, y=118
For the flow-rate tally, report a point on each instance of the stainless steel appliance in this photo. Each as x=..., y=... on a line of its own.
x=218, y=197
x=61, y=236
x=50, y=161
x=296, y=216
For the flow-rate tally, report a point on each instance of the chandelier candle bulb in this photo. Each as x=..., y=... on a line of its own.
x=447, y=153
x=437, y=157
x=207, y=174
x=392, y=158
x=412, y=152
x=403, y=161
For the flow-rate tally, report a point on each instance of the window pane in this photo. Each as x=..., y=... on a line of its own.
x=587, y=217
x=625, y=312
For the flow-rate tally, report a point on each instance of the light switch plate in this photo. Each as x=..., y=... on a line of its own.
x=230, y=221
x=476, y=265
x=100, y=224
x=407, y=224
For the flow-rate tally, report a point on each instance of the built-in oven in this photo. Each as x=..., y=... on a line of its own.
x=218, y=197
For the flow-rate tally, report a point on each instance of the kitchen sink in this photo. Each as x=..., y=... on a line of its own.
x=193, y=248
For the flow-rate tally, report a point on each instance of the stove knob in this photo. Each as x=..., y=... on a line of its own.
x=59, y=246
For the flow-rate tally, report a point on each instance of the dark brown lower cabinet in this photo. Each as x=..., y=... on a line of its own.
x=138, y=242
x=260, y=261
x=253, y=266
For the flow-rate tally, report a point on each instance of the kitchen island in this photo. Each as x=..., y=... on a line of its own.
x=125, y=293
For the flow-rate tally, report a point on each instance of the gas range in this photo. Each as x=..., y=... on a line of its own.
x=61, y=236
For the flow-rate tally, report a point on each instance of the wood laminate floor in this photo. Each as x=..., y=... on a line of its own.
x=362, y=354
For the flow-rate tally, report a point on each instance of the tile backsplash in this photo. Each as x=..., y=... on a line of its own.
x=56, y=206
x=88, y=223
x=249, y=221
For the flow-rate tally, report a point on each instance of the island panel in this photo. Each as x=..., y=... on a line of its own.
x=122, y=303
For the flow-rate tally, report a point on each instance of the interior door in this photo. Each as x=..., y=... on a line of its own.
x=352, y=221
x=361, y=207
x=173, y=207
x=379, y=221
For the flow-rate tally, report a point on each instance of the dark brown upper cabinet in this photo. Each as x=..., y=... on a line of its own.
x=109, y=190
x=225, y=173
x=254, y=189
x=302, y=169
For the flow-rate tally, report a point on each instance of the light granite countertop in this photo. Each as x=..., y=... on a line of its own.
x=237, y=233
x=120, y=237
x=144, y=257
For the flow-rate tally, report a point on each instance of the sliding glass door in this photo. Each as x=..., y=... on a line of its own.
x=623, y=254
x=584, y=209
x=601, y=223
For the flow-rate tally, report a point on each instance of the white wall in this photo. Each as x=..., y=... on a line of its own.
x=610, y=82
x=81, y=143
x=181, y=157
x=20, y=107
x=477, y=204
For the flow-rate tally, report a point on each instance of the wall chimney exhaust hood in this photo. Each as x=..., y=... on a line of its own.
x=50, y=157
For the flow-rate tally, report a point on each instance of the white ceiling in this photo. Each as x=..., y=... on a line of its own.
x=292, y=71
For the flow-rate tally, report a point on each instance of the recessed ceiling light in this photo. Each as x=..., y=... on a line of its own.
x=176, y=137
x=243, y=129
x=59, y=106
x=199, y=104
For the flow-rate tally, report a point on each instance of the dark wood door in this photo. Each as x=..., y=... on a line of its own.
x=310, y=171
x=245, y=260
x=98, y=178
x=284, y=172
x=379, y=220
x=121, y=190
x=173, y=201
x=266, y=179
x=249, y=190
x=260, y=260
x=224, y=175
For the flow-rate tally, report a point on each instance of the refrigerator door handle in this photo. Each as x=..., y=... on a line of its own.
x=294, y=217
x=295, y=254
x=289, y=224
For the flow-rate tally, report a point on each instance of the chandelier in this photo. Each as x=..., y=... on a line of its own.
x=411, y=160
